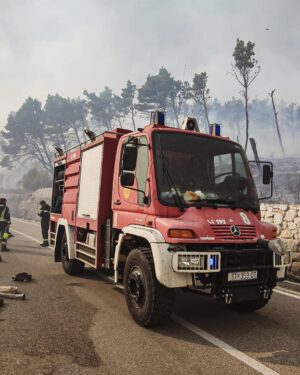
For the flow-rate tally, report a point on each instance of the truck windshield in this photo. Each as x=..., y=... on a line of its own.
x=202, y=171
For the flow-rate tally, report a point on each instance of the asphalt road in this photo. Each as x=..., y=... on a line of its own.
x=71, y=325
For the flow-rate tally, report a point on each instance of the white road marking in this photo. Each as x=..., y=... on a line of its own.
x=31, y=238
x=207, y=336
x=296, y=296
x=227, y=348
x=292, y=282
x=26, y=221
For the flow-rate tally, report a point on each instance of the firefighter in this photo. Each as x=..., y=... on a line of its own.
x=4, y=224
x=45, y=219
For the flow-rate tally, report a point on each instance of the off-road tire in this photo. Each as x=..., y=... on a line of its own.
x=71, y=266
x=155, y=304
x=248, y=306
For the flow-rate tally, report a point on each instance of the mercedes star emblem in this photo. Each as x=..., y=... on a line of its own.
x=235, y=230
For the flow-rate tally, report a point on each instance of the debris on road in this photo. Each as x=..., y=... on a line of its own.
x=22, y=276
x=10, y=292
x=1, y=302
x=8, y=289
x=13, y=295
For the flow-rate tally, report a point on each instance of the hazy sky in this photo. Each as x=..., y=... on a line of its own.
x=66, y=46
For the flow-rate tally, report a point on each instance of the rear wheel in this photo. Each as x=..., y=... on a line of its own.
x=149, y=302
x=248, y=306
x=71, y=266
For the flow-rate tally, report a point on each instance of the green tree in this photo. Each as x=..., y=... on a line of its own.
x=65, y=117
x=245, y=69
x=161, y=92
x=105, y=108
x=35, y=179
x=199, y=92
x=26, y=136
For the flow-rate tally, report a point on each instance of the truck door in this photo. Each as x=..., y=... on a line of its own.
x=134, y=195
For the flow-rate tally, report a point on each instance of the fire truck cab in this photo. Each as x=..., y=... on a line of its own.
x=163, y=208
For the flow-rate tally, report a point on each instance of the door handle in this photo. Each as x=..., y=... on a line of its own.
x=117, y=202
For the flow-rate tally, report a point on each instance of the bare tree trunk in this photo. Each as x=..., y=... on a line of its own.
x=132, y=118
x=43, y=143
x=206, y=113
x=276, y=121
x=247, y=117
x=254, y=149
x=238, y=132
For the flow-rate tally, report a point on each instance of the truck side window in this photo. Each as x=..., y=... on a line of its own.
x=58, y=188
x=141, y=171
x=239, y=165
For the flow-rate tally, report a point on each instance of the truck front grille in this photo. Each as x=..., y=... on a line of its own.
x=251, y=259
x=223, y=232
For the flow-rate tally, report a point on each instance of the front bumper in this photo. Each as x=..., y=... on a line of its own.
x=180, y=266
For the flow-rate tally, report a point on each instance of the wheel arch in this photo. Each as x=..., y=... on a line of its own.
x=64, y=228
x=162, y=257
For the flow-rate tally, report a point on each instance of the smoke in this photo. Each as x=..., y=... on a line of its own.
x=67, y=46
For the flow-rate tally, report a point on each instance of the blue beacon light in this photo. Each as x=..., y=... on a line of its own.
x=157, y=118
x=215, y=129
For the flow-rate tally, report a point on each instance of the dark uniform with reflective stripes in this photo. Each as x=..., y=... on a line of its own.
x=45, y=220
x=4, y=223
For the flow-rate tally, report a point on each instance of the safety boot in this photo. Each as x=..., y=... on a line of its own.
x=45, y=243
x=4, y=247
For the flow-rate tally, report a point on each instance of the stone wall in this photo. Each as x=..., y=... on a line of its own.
x=287, y=219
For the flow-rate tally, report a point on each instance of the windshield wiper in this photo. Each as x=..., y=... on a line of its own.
x=222, y=203
x=245, y=206
x=213, y=202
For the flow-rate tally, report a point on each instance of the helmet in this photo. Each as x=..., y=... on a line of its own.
x=5, y=236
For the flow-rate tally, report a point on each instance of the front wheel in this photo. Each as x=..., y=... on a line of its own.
x=248, y=306
x=71, y=266
x=149, y=302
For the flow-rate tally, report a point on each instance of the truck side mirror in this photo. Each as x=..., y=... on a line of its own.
x=127, y=179
x=129, y=157
x=262, y=174
x=267, y=174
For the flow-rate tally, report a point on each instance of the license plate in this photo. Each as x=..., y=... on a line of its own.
x=241, y=276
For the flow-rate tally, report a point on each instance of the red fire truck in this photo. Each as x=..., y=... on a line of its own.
x=163, y=208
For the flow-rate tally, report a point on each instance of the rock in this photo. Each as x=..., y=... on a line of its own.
x=290, y=215
x=278, y=218
x=291, y=245
x=286, y=233
x=280, y=207
x=297, y=221
x=268, y=214
x=292, y=225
